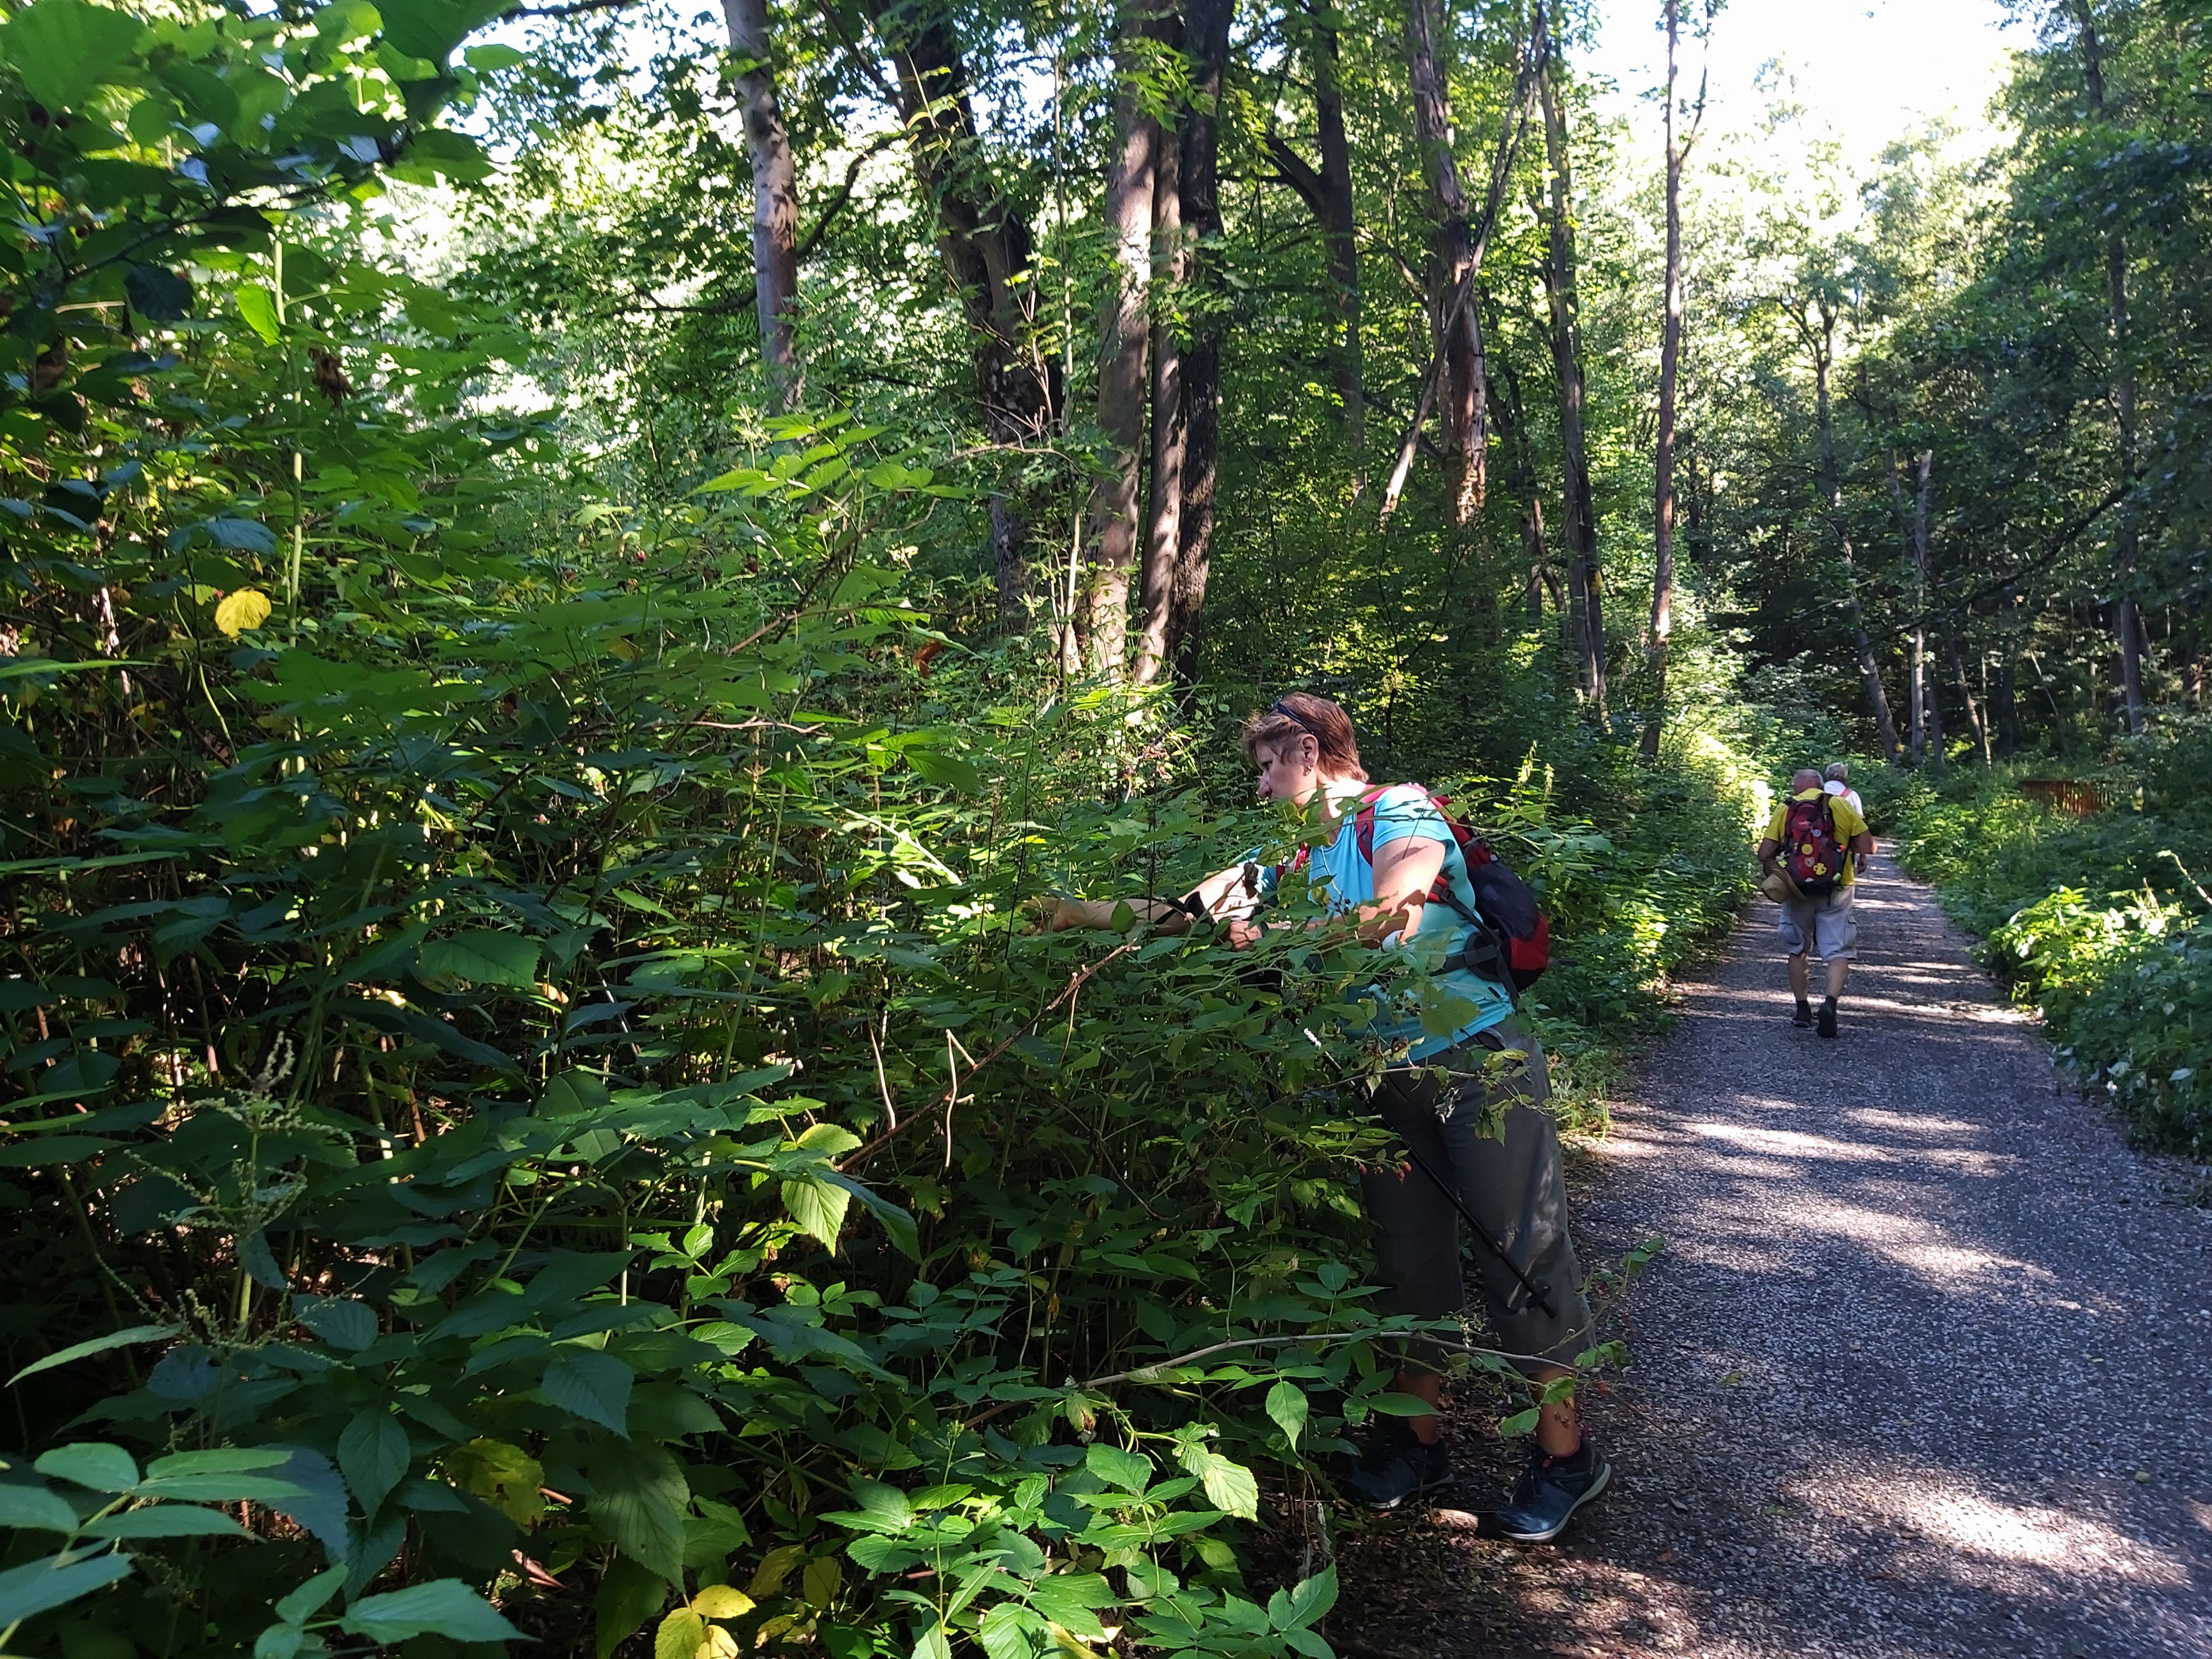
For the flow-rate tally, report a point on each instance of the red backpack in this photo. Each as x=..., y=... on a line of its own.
x=1812, y=854
x=1512, y=941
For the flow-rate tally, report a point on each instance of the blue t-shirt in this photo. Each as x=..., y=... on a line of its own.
x=1405, y=811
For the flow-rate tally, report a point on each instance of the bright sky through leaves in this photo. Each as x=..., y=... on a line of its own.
x=1871, y=69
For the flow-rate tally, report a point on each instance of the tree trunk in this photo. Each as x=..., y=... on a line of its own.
x=2127, y=620
x=1585, y=574
x=1171, y=431
x=1532, y=550
x=1111, y=518
x=2008, y=698
x=1670, y=356
x=1928, y=712
x=1454, y=317
x=981, y=236
x=985, y=244
x=776, y=199
x=1974, y=721
x=1205, y=24
x=1327, y=192
x=1822, y=348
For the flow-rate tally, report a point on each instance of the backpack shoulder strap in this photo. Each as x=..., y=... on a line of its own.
x=1363, y=822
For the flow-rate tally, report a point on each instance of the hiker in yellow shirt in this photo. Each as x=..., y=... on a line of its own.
x=1816, y=841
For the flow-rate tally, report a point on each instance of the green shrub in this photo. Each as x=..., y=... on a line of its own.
x=2096, y=922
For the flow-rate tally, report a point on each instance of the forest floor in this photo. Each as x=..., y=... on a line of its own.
x=1922, y=1369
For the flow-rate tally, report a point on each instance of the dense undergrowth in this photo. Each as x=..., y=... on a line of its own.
x=531, y=1105
x=542, y=1053
x=2098, y=920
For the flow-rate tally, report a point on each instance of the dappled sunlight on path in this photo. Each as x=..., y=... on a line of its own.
x=1923, y=1369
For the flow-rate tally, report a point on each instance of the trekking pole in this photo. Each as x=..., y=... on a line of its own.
x=1540, y=1296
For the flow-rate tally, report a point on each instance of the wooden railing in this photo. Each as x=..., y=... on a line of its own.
x=2065, y=795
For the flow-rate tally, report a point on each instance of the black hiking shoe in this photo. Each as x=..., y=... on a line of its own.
x=1550, y=1491
x=1828, y=1017
x=1394, y=1467
x=1802, y=1019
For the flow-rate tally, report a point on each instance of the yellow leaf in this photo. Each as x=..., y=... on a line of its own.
x=721, y=1601
x=719, y=1644
x=247, y=608
x=679, y=1635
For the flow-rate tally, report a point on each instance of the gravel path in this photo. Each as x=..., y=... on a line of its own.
x=1924, y=1370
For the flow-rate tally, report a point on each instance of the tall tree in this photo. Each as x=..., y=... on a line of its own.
x=2127, y=617
x=985, y=242
x=1455, y=320
x=1207, y=25
x=1170, y=422
x=1326, y=191
x=1110, y=522
x=1815, y=323
x=1585, y=574
x=1671, y=361
x=775, y=197
x=1928, y=704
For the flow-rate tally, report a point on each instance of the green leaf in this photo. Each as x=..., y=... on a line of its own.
x=818, y=1207
x=1311, y=1599
x=168, y=1521
x=629, y=1593
x=301, y=1604
x=450, y=155
x=123, y=1339
x=432, y=28
x=93, y=1463
x=638, y=1494
x=1229, y=1485
x=158, y=294
x=51, y=1149
x=64, y=48
x=260, y=1264
x=445, y=1606
x=1519, y=1423
x=373, y=1457
x=343, y=1323
x=1286, y=1404
x=946, y=771
x=258, y=306
x=36, y=1586
x=483, y=958
x=1128, y=1470
x=36, y=1508
x=591, y=1385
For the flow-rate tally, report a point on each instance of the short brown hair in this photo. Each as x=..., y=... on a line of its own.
x=1297, y=714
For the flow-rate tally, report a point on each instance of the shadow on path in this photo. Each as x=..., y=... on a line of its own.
x=1924, y=1370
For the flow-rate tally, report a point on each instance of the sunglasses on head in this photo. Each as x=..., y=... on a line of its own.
x=1277, y=708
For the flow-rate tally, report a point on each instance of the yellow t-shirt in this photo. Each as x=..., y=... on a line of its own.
x=1848, y=827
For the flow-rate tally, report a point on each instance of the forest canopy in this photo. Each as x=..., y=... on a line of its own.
x=569, y=574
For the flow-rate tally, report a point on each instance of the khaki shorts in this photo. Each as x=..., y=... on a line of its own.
x=1825, y=921
x=1514, y=1187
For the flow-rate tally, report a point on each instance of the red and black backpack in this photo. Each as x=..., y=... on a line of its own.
x=1511, y=944
x=1812, y=853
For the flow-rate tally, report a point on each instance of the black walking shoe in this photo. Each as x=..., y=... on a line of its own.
x=1394, y=1467
x=1550, y=1491
x=1802, y=1019
x=1828, y=1017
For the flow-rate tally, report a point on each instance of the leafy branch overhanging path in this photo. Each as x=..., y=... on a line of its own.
x=1921, y=1371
